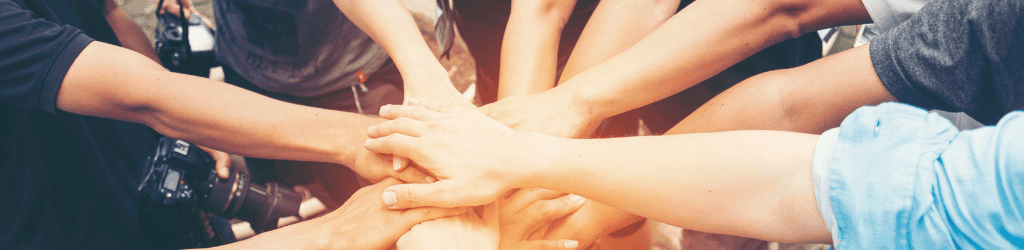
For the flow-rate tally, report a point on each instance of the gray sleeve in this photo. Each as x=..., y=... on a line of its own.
x=958, y=56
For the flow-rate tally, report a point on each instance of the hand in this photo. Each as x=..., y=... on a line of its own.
x=376, y=167
x=473, y=156
x=471, y=230
x=436, y=86
x=590, y=223
x=223, y=166
x=547, y=112
x=363, y=222
x=172, y=7
x=527, y=213
x=431, y=85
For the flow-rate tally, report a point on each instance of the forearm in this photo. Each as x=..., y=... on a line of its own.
x=615, y=26
x=298, y=236
x=747, y=183
x=109, y=81
x=702, y=40
x=529, y=49
x=391, y=25
x=807, y=99
x=128, y=32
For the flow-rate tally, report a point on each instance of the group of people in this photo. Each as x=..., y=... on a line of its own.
x=754, y=138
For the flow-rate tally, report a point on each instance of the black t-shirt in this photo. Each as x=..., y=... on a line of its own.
x=958, y=55
x=66, y=181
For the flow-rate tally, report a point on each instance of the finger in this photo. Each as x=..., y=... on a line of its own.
x=398, y=162
x=539, y=233
x=222, y=161
x=444, y=193
x=416, y=113
x=545, y=211
x=419, y=215
x=486, y=109
x=396, y=144
x=223, y=165
x=440, y=107
x=548, y=245
x=524, y=197
x=401, y=125
x=387, y=182
x=413, y=175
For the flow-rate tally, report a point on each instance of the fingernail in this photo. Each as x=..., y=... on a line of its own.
x=572, y=244
x=389, y=198
x=431, y=179
x=367, y=142
x=413, y=101
x=384, y=109
x=577, y=198
x=396, y=164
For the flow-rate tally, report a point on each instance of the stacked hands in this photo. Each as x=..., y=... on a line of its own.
x=474, y=160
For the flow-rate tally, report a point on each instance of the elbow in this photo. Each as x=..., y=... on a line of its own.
x=547, y=11
x=662, y=9
x=784, y=16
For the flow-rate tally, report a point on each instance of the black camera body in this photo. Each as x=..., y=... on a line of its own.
x=185, y=46
x=181, y=177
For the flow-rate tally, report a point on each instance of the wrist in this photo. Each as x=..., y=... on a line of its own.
x=582, y=101
x=428, y=75
x=540, y=163
x=420, y=62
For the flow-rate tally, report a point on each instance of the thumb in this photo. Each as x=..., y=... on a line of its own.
x=444, y=193
x=223, y=161
x=550, y=244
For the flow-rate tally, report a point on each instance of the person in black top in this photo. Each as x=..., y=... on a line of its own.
x=74, y=111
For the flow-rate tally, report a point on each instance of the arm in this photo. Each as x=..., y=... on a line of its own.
x=700, y=41
x=389, y=23
x=348, y=227
x=529, y=49
x=112, y=82
x=748, y=183
x=808, y=99
x=128, y=32
x=614, y=26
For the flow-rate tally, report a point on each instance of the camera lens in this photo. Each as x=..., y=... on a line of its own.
x=260, y=205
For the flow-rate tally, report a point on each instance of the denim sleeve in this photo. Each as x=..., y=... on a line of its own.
x=898, y=177
x=978, y=189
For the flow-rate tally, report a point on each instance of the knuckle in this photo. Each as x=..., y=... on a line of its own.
x=542, y=209
x=401, y=121
x=411, y=196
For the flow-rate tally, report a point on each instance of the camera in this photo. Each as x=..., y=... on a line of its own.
x=185, y=45
x=181, y=177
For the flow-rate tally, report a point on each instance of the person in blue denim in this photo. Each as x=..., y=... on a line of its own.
x=891, y=176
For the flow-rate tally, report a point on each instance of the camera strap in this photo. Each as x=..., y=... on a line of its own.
x=183, y=24
x=355, y=94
